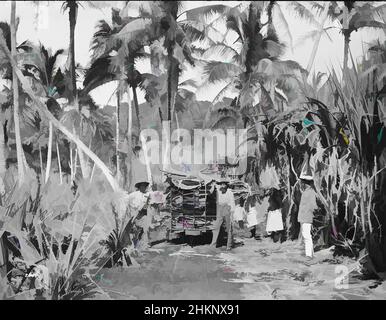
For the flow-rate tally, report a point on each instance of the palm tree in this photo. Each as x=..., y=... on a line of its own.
x=352, y=16
x=43, y=109
x=41, y=66
x=254, y=65
x=6, y=72
x=375, y=65
x=72, y=7
x=3, y=121
x=304, y=10
x=105, y=68
x=156, y=20
x=21, y=164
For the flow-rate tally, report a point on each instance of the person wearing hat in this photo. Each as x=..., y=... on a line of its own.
x=225, y=210
x=138, y=203
x=307, y=207
x=138, y=200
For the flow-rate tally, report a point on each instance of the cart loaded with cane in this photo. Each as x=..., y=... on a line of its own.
x=192, y=204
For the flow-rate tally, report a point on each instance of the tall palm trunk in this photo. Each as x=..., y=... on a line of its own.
x=118, y=174
x=3, y=159
x=155, y=69
x=49, y=153
x=173, y=75
x=83, y=164
x=346, y=33
x=172, y=79
x=154, y=62
x=15, y=87
x=59, y=164
x=346, y=51
x=72, y=15
x=136, y=106
x=130, y=140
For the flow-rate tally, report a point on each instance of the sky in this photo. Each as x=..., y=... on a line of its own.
x=49, y=25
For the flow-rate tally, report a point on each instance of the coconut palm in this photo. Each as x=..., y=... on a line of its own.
x=253, y=66
x=72, y=7
x=375, y=65
x=48, y=80
x=6, y=71
x=305, y=12
x=21, y=163
x=105, y=67
x=353, y=16
x=178, y=29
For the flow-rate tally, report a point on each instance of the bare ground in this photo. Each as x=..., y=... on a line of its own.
x=257, y=270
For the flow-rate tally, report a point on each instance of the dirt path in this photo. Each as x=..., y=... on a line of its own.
x=257, y=270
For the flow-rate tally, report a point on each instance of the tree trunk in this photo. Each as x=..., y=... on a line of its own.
x=136, y=106
x=148, y=168
x=41, y=163
x=3, y=159
x=15, y=87
x=83, y=164
x=49, y=153
x=43, y=108
x=59, y=164
x=154, y=62
x=172, y=78
x=170, y=90
x=345, y=56
x=118, y=173
x=129, y=140
x=155, y=69
x=72, y=18
x=160, y=113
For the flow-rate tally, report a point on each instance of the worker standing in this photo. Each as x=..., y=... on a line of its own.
x=138, y=200
x=138, y=205
x=307, y=208
x=225, y=211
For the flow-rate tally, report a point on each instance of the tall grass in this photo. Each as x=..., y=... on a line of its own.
x=58, y=238
x=342, y=136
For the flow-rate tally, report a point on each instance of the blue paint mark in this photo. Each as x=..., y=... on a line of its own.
x=51, y=91
x=379, y=136
x=308, y=122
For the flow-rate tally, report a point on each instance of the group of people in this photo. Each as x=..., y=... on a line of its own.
x=230, y=211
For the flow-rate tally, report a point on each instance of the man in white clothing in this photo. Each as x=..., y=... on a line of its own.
x=138, y=200
x=225, y=209
x=138, y=203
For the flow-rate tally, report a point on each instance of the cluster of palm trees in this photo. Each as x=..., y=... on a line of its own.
x=172, y=39
x=45, y=113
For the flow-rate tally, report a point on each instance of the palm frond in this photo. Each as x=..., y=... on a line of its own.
x=302, y=12
x=223, y=50
x=283, y=21
x=205, y=12
x=218, y=71
x=98, y=73
x=223, y=92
